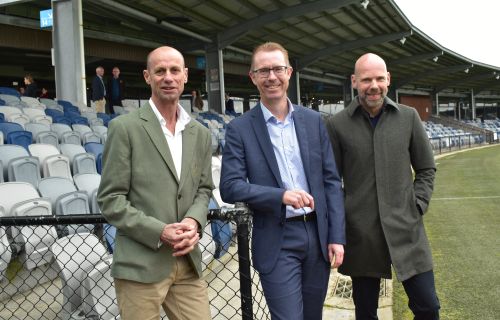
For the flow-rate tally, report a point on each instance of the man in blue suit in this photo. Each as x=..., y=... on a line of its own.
x=278, y=159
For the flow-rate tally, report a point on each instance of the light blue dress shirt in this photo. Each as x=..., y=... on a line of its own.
x=287, y=152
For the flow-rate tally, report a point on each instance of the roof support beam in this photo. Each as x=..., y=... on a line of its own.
x=232, y=34
x=430, y=73
x=416, y=58
x=350, y=45
x=465, y=80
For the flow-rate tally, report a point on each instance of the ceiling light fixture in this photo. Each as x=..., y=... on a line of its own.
x=402, y=40
x=435, y=59
x=365, y=3
x=466, y=70
x=498, y=76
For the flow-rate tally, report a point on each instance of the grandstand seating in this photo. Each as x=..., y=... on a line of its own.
x=9, y=152
x=9, y=91
x=65, y=200
x=35, y=239
x=80, y=160
x=65, y=133
x=86, y=133
x=77, y=255
x=99, y=294
x=25, y=169
x=5, y=250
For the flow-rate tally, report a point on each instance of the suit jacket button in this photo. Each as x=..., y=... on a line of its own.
x=179, y=196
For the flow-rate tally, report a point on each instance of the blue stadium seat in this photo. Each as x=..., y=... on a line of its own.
x=9, y=91
x=8, y=127
x=2, y=117
x=79, y=120
x=54, y=113
x=61, y=119
x=2, y=102
x=21, y=138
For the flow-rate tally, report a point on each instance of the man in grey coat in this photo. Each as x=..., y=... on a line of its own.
x=377, y=143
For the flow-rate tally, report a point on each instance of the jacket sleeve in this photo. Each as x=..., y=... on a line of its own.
x=333, y=191
x=422, y=161
x=235, y=185
x=199, y=209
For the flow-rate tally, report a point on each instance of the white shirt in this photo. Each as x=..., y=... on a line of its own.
x=174, y=140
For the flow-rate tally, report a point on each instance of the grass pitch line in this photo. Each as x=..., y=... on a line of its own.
x=464, y=198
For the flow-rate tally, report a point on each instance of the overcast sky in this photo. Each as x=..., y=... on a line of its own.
x=469, y=28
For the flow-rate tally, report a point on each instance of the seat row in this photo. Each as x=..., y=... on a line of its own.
x=54, y=134
x=17, y=164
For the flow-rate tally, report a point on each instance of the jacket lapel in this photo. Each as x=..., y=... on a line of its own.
x=188, y=146
x=153, y=129
x=302, y=138
x=260, y=129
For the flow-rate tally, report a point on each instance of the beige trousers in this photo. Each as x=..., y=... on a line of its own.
x=100, y=105
x=182, y=295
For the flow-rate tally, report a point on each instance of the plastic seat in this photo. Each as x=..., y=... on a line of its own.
x=22, y=119
x=5, y=250
x=43, y=151
x=9, y=152
x=11, y=194
x=9, y=110
x=1, y=137
x=9, y=91
x=32, y=102
x=26, y=169
x=57, y=166
x=43, y=119
x=96, y=122
x=76, y=255
x=36, y=128
x=36, y=239
x=21, y=138
x=54, y=113
x=33, y=112
x=86, y=133
x=99, y=293
x=102, y=131
x=8, y=127
x=80, y=160
x=65, y=133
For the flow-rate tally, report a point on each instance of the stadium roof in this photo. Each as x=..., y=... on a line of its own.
x=324, y=38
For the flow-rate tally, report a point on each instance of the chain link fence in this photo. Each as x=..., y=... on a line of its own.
x=59, y=267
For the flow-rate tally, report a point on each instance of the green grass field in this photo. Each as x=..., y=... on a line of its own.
x=463, y=225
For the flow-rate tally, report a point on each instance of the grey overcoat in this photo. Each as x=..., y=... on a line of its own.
x=384, y=202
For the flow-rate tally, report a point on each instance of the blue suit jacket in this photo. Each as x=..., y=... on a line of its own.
x=250, y=174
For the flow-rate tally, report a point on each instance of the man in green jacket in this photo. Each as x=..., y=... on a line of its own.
x=376, y=144
x=155, y=188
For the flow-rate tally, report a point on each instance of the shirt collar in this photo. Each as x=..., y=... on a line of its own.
x=354, y=105
x=268, y=115
x=183, y=117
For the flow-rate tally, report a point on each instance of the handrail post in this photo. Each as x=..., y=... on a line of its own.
x=242, y=218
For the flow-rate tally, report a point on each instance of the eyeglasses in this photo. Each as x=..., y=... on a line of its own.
x=265, y=72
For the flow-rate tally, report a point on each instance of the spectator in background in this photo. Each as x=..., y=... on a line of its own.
x=279, y=160
x=377, y=142
x=99, y=90
x=115, y=90
x=198, y=100
x=21, y=91
x=44, y=94
x=229, y=105
x=155, y=189
x=31, y=88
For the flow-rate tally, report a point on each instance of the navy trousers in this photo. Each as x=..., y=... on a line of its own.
x=421, y=291
x=296, y=287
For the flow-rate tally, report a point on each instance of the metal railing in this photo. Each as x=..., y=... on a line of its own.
x=50, y=276
x=452, y=143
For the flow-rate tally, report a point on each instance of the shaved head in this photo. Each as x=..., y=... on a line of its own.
x=158, y=52
x=369, y=60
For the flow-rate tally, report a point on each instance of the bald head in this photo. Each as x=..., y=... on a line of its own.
x=371, y=80
x=166, y=75
x=160, y=52
x=369, y=61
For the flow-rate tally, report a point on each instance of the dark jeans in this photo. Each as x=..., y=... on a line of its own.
x=421, y=291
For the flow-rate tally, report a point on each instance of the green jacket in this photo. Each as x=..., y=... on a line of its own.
x=140, y=193
x=384, y=202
